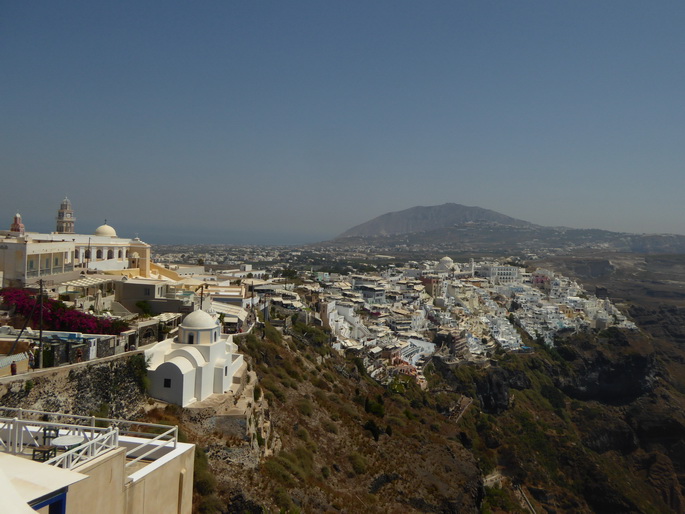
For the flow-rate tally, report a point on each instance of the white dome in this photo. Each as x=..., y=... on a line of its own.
x=198, y=319
x=445, y=264
x=105, y=231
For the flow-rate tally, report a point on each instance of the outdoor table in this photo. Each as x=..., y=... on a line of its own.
x=68, y=441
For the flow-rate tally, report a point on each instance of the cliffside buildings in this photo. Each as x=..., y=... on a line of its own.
x=471, y=309
x=26, y=257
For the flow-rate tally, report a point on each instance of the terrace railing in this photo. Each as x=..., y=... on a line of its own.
x=22, y=428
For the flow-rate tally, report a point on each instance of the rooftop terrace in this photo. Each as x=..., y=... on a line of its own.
x=68, y=441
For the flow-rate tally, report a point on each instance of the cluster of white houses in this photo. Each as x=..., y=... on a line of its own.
x=105, y=469
x=105, y=273
x=392, y=318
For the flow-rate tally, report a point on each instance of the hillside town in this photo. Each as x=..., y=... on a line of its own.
x=72, y=300
x=394, y=317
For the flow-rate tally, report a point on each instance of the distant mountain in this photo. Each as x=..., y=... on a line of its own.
x=426, y=219
x=455, y=228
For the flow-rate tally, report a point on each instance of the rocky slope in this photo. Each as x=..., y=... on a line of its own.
x=594, y=425
x=343, y=443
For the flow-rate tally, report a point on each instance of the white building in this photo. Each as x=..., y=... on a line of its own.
x=199, y=362
x=26, y=257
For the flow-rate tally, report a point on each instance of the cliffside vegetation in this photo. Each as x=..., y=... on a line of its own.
x=589, y=427
x=592, y=426
x=345, y=443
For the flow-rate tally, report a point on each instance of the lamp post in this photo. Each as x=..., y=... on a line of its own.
x=40, y=327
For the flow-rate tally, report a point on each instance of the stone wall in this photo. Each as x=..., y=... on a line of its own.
x=113, y=388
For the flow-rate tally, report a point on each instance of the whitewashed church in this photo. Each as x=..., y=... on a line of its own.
x=199, y=362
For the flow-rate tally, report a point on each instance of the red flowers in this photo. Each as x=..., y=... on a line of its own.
x=57, y=316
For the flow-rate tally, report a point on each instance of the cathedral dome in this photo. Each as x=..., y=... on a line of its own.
x=198, y=319
x=105, y=231
x=445, y=263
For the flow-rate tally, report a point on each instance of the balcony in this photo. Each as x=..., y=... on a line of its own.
x=22, y=433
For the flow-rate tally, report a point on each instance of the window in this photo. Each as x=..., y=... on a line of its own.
x=98, y=255
x=120, y=254
x=87, y=254
x=110, y=254
x=167, y=383
x=226, y=371
x=191, y=338
x=147, y=291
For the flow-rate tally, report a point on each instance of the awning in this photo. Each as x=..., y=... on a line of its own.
x=87, y=282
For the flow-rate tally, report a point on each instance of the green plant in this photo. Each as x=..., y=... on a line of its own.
x=305, y=407
x=330, y=427
x=137, y=365
x=204, y=482
x=358, y=463
x=102, y=412
x=372, y=427
x=144, y=307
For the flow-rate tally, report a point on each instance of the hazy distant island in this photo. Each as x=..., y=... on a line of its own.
x=453, y=227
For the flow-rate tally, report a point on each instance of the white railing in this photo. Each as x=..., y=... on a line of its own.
x=171, y=435
x=25, y=428
x=86, y=451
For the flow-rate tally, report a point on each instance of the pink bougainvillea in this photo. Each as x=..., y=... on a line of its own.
x=57, y=316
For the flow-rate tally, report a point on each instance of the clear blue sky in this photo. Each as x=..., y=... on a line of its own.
x=290, y=122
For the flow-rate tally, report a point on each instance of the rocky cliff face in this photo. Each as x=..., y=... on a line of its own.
x=594, y=425
x=493, y=389
x=113, y=389
x=613, y=372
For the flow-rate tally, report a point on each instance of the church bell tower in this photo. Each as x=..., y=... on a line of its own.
x=65, y=218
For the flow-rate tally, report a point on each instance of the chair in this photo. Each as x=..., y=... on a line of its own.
x=43, y=453
x=49, y=433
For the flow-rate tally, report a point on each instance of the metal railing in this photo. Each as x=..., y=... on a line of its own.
x=25, y=427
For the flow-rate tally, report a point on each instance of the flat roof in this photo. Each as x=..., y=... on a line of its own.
x=26, y=480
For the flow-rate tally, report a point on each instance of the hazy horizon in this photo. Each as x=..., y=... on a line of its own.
x=289, y=123
x=167, y=235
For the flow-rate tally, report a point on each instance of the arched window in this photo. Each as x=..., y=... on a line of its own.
x=110, y=254
x=191, y=338
x=87, y=254
x=120, y=254
x=98, y=255
x=214, y=336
